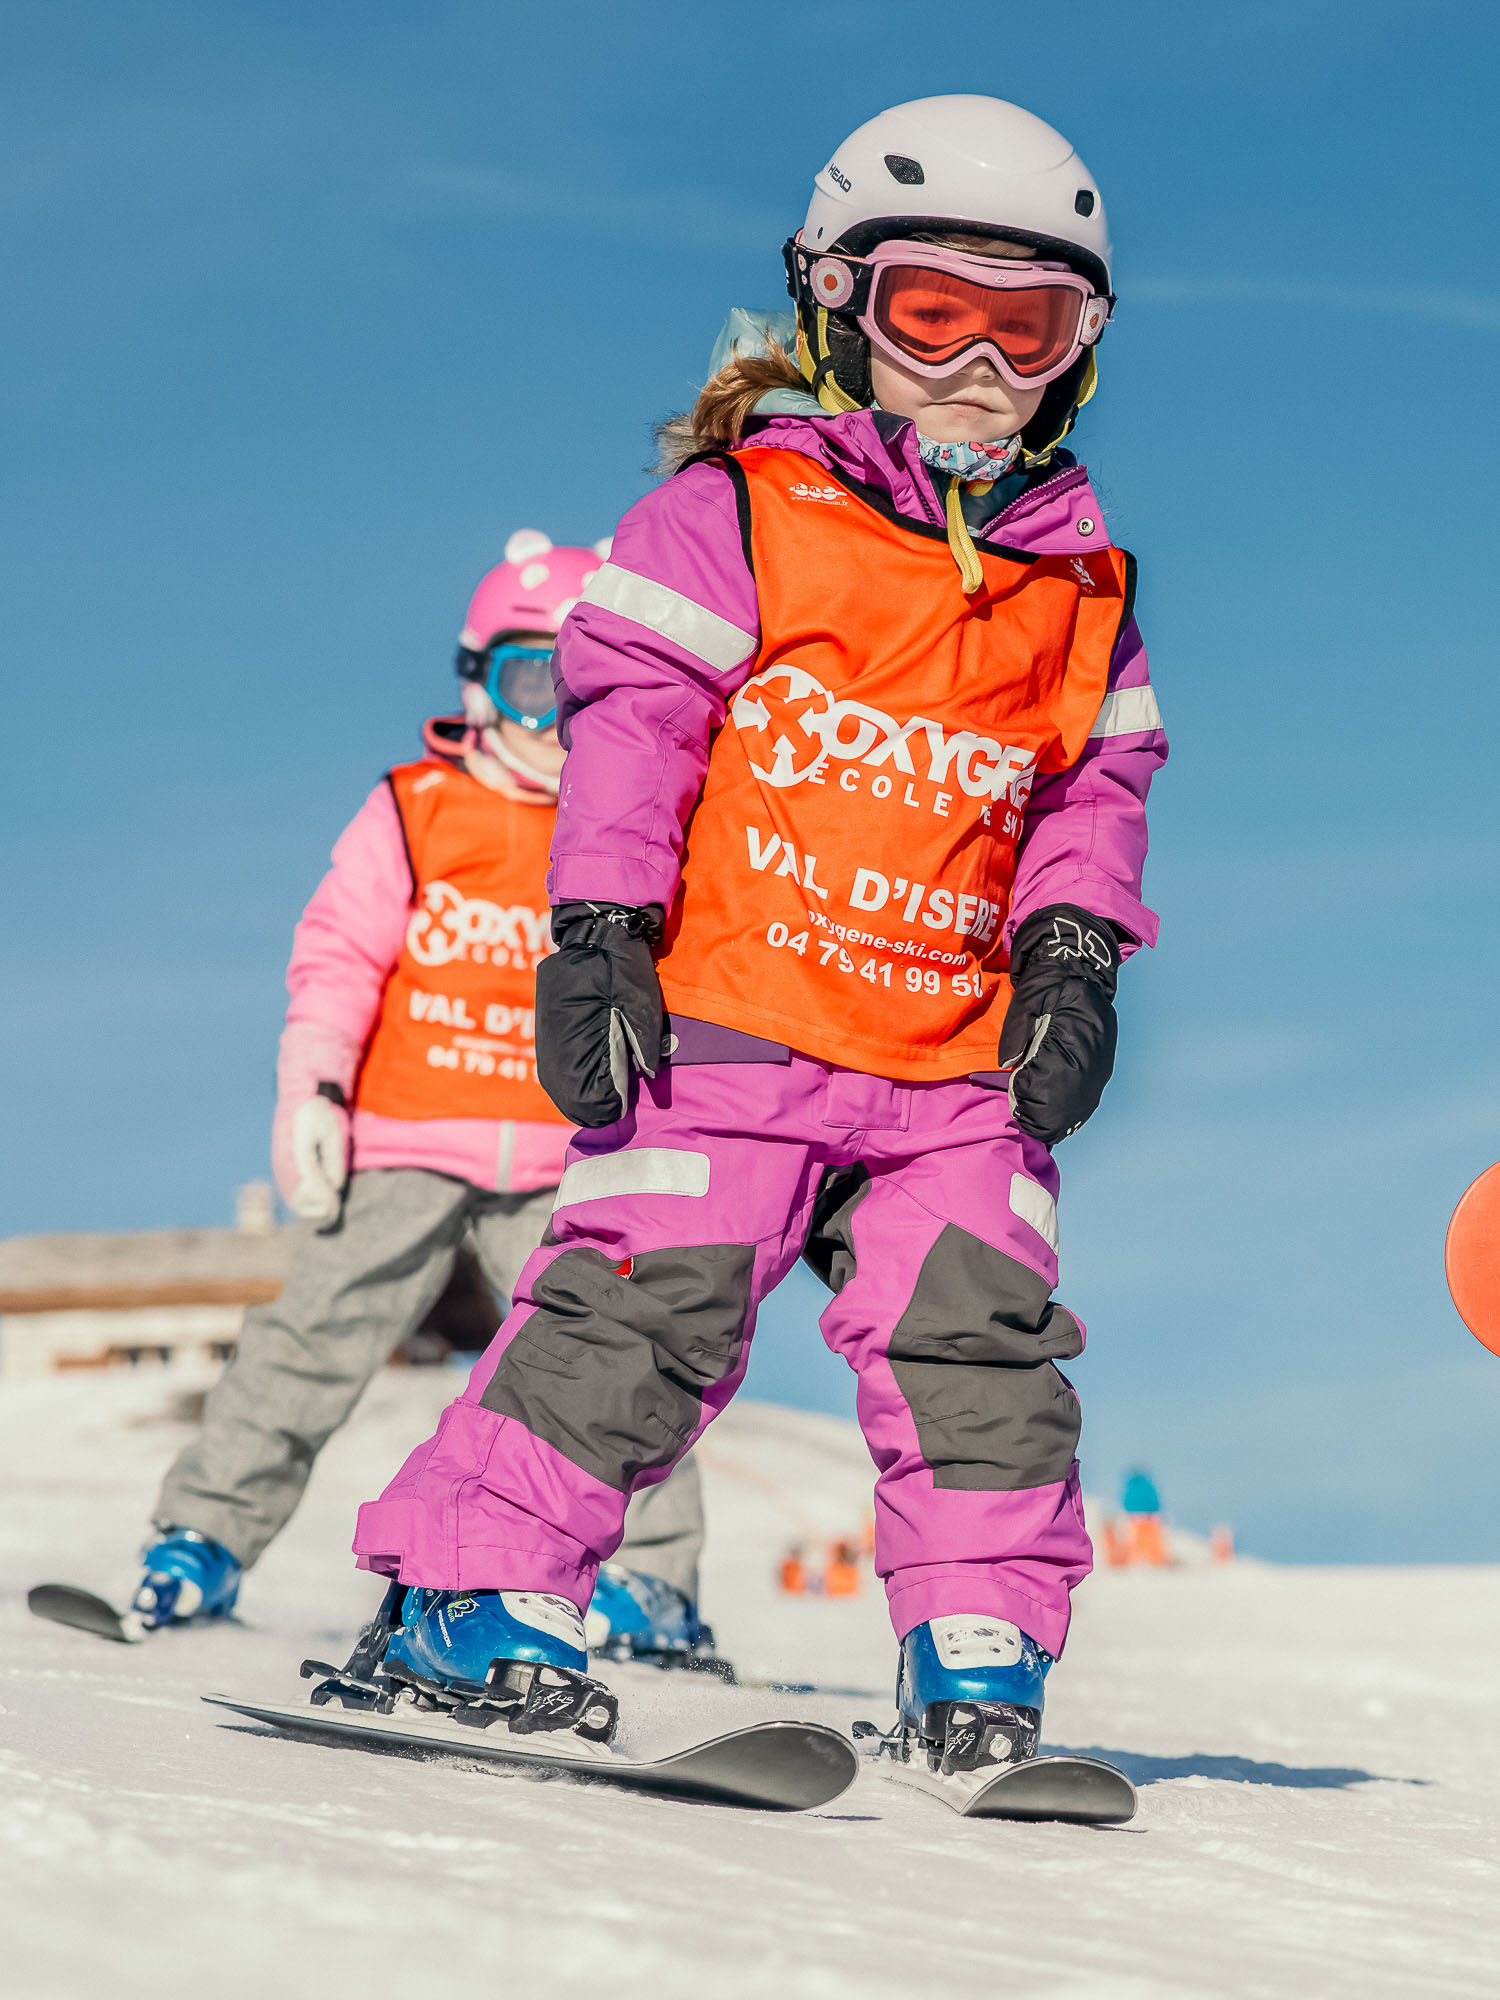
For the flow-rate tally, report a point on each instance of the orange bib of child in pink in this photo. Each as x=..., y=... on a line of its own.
x=849, y=865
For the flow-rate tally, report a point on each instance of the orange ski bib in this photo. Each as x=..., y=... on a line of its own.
x=848, y=867
x=456, y=1036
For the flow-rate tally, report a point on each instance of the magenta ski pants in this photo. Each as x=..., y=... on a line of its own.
x=933, y=1219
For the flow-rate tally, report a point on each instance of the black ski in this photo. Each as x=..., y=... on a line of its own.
x=772, y=1766
x=65, y=1604
x=1083, y=1790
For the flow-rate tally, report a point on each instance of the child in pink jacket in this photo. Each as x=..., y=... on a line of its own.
x=409, y=1120
x=860, y=733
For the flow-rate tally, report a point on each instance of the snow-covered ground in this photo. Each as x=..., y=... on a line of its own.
x=1318, y=1752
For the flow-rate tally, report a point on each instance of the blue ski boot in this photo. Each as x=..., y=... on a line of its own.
x=970, y=1694
x=633, y=1616
x=487, y=1656
x=187, y=1576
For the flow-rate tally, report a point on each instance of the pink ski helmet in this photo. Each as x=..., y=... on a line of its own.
x=533, y=590
x=505, y=650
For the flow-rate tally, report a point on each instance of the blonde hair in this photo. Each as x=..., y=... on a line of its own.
x=981, y=246
x=725, y=404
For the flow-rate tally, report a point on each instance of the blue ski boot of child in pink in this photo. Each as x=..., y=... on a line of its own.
x=512, y=1655
x=970, y=1693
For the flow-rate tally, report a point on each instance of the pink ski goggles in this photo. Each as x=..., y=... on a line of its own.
x=933, y=310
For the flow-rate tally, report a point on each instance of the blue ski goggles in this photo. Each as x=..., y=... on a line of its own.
x=517, y=679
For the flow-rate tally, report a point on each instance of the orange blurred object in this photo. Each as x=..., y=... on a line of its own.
x=793, y=1573
x=1471, y=1258
x=1221, y=1544
x=1139, y=1538
x=1147, y=1542
x=841, y=1578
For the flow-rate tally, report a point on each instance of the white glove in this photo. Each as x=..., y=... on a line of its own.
x=320, y=1151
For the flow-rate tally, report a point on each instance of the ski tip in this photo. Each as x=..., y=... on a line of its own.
x=1083, y=1790
x=66, y=1604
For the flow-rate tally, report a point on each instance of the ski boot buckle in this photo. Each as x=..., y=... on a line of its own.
x=551, y=1698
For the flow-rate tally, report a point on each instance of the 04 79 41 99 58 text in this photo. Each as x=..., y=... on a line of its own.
x=831, y=955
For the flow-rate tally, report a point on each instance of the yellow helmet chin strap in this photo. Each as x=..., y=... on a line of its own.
x=817, y=371
x=1086, y=388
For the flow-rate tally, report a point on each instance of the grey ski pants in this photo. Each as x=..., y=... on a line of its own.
x=353, y=1293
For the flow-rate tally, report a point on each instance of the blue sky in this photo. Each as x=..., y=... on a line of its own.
x=307, y=306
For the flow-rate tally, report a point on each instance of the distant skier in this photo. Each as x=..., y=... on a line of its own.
x=859, y=738
x=409, y=1118
x=1141, y=1537
x=1139, y=1495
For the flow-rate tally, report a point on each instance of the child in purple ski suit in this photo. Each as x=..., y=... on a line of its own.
x=859, y=738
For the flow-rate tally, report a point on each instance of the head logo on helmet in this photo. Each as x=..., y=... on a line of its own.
x=943, y=166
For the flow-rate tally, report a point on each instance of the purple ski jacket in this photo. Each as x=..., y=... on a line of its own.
x=669, y=629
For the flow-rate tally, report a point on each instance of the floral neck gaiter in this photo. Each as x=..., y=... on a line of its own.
x=969, y=462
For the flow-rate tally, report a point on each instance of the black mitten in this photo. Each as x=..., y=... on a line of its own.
x=598, y=1008
x=1059, y=1033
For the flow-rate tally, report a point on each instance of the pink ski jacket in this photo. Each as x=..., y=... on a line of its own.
x=345, y=949
x=668, y=631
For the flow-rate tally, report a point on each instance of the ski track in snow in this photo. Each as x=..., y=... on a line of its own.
x=1316, y=1751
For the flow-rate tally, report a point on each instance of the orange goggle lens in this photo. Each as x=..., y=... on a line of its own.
x=936, y=316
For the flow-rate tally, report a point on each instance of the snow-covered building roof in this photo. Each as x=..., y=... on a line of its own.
x=143, y=1267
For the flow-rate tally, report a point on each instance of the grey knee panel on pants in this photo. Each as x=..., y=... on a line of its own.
x=610, y=1370
x=973, y=1357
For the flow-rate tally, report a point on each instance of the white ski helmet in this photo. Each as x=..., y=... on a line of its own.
x=944, y=164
